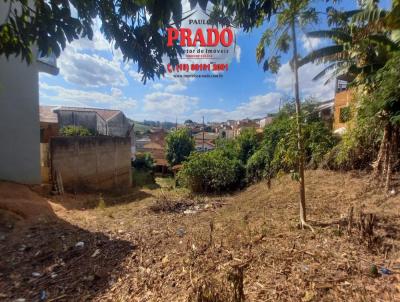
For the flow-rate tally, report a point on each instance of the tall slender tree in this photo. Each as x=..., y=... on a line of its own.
x=279, y=38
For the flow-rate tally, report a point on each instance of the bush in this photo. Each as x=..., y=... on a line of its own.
x=211, y=172
x=75, y=131
x=258, y=166
x=179, y=144
x=278, y=151
x=143, y=161
x=246, y=144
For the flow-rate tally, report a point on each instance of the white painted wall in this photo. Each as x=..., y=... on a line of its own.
x=19, y=121
x=19, y=118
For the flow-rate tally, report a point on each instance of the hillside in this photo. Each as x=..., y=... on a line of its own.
x=164, y=245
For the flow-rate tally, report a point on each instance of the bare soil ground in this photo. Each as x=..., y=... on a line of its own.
x=163, y=245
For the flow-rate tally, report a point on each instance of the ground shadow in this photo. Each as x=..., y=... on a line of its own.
x=50, y=259
x=99, y=199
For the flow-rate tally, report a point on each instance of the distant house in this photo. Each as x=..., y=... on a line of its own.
x=154, y=143
x=342, y=101
x=325, y=112
x=205, y=141
x=224, y=131
x=206, y=146
x=241, y=125
x=265, y=121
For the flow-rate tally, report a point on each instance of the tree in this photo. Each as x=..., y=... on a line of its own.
x=365, y=41
x=138, y=29
x=361, y=45
x=290, y=15
x=247, y=144
x=179, y=144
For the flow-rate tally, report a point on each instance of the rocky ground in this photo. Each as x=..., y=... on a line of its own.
x=166, y=245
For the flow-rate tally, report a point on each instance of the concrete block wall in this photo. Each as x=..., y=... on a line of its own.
x=99, y=163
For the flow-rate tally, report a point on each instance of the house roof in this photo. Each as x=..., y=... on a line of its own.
x=200, y=143
x=207, y=136
x=325, y=105
x=106, y=114
x=48, y=113
x=153, y=145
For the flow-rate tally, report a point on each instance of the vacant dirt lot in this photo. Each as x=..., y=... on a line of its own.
x=161, y=245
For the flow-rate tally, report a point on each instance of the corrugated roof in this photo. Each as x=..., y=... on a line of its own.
x=47, y=112
x=106, y=114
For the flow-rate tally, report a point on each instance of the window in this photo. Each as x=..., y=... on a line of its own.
x=344, y=114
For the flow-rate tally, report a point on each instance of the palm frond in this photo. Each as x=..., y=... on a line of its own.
x=324, y=54
x=328, y=69
x=386, y=41
x=330, y=34
x=369, y=15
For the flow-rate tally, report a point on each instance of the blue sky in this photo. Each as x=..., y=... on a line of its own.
x=92, y=74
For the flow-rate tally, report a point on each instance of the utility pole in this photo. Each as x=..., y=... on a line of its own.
x=203, y=133
x=176, y=123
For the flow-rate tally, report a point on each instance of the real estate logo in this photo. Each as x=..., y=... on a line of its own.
x=207, y=49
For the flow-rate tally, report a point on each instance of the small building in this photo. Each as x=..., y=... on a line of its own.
x=205, y=141
x=99, y=121
x=342, y=102
x=265, y=121
x=154, y=143
x=241, y=125
x=325, y=112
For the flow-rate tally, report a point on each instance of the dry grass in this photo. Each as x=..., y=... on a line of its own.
x=178, y=255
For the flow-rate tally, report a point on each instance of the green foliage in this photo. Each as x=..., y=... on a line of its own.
x=143, y=161
x=179, y=144
x=279, y=152
x=75, y=131
x=278, y=38
x=137, y=28
x=362, y=43
x=211, y=171
x=246, y=144
x=376, y=108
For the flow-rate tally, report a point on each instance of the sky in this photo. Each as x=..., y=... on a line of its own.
x=93, y=74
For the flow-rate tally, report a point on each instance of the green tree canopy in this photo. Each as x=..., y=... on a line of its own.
x=179, y=144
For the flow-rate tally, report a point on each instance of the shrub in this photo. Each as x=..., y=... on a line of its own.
x=211, y=172
x=75, y=131
x=143, y=161
x=179, y=144
x=246, y=144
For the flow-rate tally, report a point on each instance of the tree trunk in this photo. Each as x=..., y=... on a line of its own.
x=379, y=163
x=300, y=143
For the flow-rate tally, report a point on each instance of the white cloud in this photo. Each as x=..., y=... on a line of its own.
x=177, y=83
x=98, y=41
x=135, y=75
x=90, y=70
x=157, y=86
x=310, y=44
x=257, y=106
x=238, y=52
x=284, y=82
x=73, y=97
x=166, y=106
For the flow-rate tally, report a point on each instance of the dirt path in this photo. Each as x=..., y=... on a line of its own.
x=131, y=253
